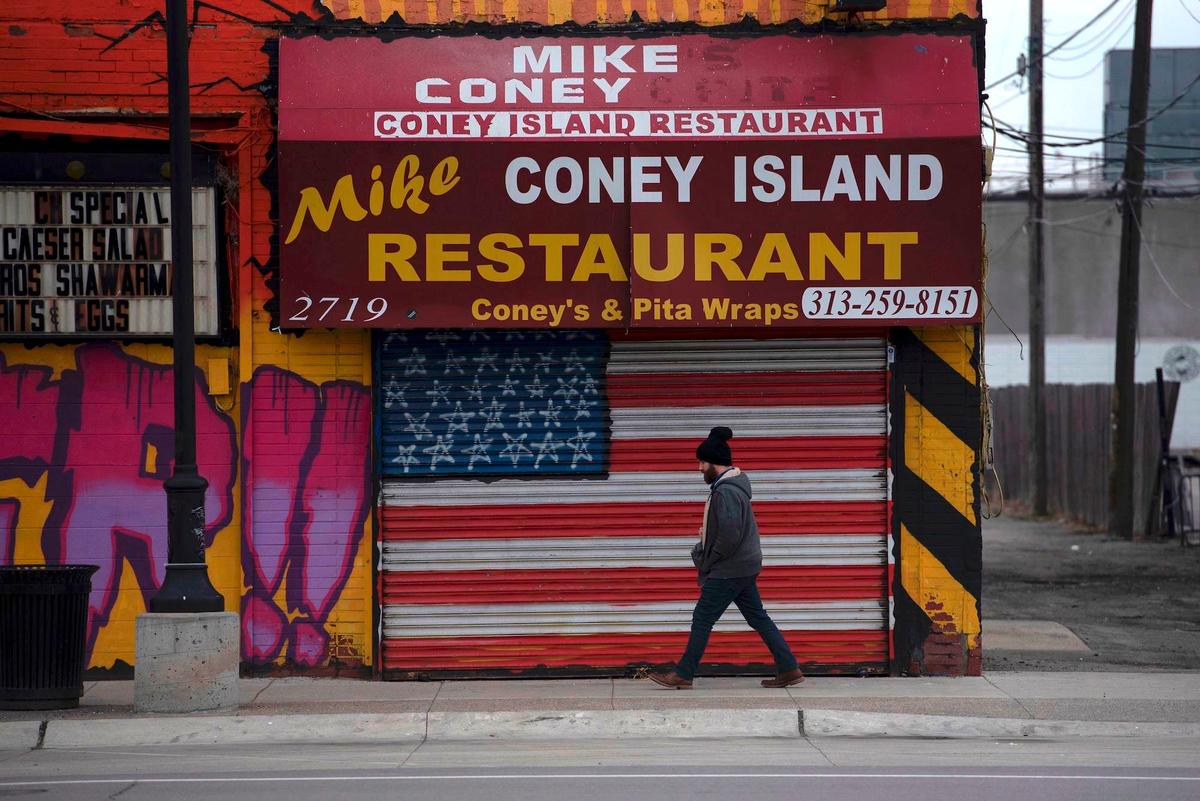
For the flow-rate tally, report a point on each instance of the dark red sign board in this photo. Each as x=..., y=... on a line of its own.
x=604, y=182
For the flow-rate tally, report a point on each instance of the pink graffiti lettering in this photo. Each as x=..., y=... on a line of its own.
x=102, y=437
x=27, y=440
x=304, y=509
x=111, y=444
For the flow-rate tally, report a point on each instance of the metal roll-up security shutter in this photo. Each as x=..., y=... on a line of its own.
x=540, y=496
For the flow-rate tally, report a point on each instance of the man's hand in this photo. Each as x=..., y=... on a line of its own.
x=697, y=553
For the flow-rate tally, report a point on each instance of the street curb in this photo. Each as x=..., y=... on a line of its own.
x=226, y=729
x=157, y=730
x=20, y=735
x=838, y=723
x=609, y=724
x=402, y=727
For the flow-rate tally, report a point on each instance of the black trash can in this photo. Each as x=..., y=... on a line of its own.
x=43, y=634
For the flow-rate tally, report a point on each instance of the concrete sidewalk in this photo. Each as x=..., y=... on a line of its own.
x=340, y=710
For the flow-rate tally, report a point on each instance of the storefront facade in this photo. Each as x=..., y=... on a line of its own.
x=478, y=314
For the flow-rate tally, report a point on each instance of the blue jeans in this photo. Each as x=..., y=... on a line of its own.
x=715, y=597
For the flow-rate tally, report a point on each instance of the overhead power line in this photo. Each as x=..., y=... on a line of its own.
x=1085, y=48
x=1022, y=136
x=1188, y=9
x=1060, y=45
x=1018, y=135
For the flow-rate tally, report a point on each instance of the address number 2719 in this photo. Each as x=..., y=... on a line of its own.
x=322, y=309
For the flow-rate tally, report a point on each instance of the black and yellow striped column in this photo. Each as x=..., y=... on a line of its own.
x=935, y=440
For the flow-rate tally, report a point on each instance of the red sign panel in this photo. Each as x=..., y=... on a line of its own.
x=605, y=182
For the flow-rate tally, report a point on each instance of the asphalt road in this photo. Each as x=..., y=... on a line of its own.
x=799, y=769
x=613, y=786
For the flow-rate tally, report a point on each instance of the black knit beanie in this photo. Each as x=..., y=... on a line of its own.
x=715, y=449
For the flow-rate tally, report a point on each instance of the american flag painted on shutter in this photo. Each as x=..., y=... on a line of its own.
x=501, y=559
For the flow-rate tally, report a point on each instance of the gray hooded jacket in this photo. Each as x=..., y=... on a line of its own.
x=731, y=548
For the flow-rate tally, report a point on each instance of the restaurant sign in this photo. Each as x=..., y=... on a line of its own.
x=95, y=260
x=606, y=182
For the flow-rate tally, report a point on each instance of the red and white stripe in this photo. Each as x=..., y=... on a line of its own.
x=522, y=574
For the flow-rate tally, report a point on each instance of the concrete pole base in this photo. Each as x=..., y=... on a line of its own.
x=186, y=662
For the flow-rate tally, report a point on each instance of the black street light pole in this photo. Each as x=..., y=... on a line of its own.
x=186, y=587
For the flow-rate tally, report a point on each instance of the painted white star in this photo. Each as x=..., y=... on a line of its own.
x=516, y=448
x=486, y=359
x=579, y=446
x=514, y=336
x=547, y=449
x=405, y=457
x=493, y=415
x=516, y=363
x=478, y=452
x=574, y=364
x=439, y=451
x=417, y=426
x=508, y=386
x=582, y=409
x=567, y=390
x=475, y=392
x=590, y=385
x=479, y=336
x=393, y=394
x=546, y=362
x=395, y=337
x=443, y=336
x=524, y=416
x=536, y=389
x=414, y=364
x=550, y=415
x=454, y=362
x=457, y=419
x=437, y=393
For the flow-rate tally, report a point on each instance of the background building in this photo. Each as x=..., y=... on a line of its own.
x=1173, y=133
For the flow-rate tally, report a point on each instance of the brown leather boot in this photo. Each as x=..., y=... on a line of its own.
x=788, y=679
x=671, y=680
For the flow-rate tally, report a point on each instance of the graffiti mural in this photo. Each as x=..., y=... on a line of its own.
x=26, y=443
x=88, y=442
x=101, y=435
x=305, y=504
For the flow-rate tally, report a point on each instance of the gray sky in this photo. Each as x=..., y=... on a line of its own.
x=1074, y=88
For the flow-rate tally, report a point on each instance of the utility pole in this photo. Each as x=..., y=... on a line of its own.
x=1038, y=473
x=1120, y=493
x=186, y=586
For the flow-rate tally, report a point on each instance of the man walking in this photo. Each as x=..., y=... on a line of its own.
x=729, y=559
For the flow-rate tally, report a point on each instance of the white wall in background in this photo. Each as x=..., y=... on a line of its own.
x=1075, y=360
